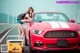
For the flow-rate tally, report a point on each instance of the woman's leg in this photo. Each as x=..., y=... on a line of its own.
x=20, y=28
x=21, y=31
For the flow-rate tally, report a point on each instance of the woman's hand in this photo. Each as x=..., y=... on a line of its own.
x=26, y=20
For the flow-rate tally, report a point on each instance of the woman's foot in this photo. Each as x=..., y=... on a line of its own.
x=22, y=37
x=19, y=37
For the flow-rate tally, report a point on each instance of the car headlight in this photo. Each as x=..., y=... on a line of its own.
x=79, y=31
x=37, y=32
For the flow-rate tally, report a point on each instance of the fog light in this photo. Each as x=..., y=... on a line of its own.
x=38, y=44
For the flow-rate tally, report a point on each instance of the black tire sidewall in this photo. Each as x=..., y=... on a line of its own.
x=30, y=48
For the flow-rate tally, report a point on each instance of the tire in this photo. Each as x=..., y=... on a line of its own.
x=30, y=48
x=22, y=50
x=26, y=44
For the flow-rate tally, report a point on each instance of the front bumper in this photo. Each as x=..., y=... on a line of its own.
x=43, y=43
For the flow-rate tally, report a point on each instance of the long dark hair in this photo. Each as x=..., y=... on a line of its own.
x=28, y=12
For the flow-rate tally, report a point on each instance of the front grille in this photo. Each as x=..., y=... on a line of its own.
x=61, y=34
x=55, y=46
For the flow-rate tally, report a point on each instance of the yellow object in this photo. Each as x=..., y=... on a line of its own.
x=15, y=46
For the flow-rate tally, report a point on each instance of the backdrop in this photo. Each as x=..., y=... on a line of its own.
x=10, y=9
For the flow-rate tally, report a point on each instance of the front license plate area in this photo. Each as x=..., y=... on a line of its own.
x=62, y=43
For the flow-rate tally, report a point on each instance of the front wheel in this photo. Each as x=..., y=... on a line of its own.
x=29, y=45
x=30, y=49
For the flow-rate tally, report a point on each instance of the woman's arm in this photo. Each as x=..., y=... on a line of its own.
x=26, y=16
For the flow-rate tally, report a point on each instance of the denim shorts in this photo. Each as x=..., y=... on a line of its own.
x=19, y=21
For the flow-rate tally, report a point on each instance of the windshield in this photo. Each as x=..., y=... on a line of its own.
x=50, y=17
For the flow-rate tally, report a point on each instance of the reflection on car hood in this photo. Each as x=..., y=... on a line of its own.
x=54, y=25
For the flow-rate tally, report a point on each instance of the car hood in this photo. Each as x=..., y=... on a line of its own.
x=54, y=25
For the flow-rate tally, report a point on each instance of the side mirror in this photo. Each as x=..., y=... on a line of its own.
x=73, y=21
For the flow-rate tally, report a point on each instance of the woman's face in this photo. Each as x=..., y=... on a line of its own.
x=31, y=11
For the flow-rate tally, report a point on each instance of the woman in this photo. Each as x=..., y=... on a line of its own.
x=22, y=19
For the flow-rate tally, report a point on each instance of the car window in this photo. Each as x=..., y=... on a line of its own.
x=50, y=17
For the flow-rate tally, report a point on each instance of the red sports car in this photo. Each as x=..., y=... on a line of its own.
x=52, y=31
